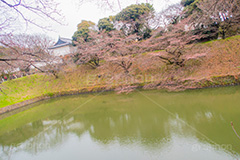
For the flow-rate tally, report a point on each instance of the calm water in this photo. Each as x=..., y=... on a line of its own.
x=144, y=125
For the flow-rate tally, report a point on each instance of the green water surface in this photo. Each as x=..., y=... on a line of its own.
x=144, y=125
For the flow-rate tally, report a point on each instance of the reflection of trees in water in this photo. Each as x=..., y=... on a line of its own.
x=146, y=126
x=33, y=138
x=13, y=140
x=145, y=129
x=103, y=127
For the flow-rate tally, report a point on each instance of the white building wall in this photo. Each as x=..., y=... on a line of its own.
x=62, y=51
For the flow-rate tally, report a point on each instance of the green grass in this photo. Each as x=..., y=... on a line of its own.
x=39, y=85
x=221, y=40
x=22, y=89
x=156, y=51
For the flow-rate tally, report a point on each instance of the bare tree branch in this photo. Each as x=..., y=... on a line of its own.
x=235, y=130
x=25, y=51
x=13, y=13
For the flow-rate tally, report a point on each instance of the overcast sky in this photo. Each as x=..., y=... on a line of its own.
x=75, y=13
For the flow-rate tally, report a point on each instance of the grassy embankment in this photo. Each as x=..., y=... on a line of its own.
x=218, y=64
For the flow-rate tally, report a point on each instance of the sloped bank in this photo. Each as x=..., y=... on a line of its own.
x=211, y=82
x=177, y=85
x=53, y=95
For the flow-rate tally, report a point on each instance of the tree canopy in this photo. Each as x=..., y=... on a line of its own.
x=105, y=24
x=83, y=30
x=187, y=2
x=134, y=12
x=135, y=19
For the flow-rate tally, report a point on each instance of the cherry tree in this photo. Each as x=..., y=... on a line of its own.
x=122, y=50
x=92, y=51
x=167, y=16
x=23, y=52
x=216, y=16
x=112, y=47
x=173, y=57
x=114, y=5
x=35, y=12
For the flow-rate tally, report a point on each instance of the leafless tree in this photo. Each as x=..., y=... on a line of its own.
x=170, y=15
x=122, y=50
x=216, y=16
x=35, y=12
x=92, y=51
x=113, y=47
x=124, y=62
x=173, y=57
x=23, y=52
x=114, y=5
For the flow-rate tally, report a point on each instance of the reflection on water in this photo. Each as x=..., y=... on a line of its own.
x=126, y=127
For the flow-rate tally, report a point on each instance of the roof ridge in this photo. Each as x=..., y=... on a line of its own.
x=62, y=42
x=65, y=38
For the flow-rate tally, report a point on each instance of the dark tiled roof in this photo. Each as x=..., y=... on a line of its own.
x=61, y=42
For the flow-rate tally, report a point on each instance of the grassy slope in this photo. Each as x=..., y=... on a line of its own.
x=223, y=58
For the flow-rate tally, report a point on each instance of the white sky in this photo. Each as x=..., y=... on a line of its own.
x=74, y=14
